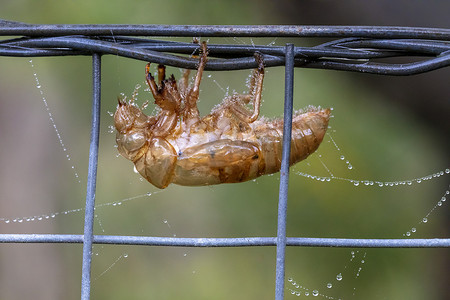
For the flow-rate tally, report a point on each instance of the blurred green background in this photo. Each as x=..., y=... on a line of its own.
x=389, y=128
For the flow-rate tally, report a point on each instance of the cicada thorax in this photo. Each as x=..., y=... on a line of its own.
x=308, y=130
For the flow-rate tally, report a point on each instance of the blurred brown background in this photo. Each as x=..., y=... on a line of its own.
x=389, y=128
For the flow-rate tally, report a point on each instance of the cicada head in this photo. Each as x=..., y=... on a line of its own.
x=128, y=116
x=132, y=129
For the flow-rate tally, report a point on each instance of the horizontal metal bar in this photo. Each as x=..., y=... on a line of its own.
x=326, y=56
x=226, y=242
x=25, y=46
x=16, y=28
x=379, y=68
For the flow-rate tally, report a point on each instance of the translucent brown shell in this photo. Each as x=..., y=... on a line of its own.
x=229, y=145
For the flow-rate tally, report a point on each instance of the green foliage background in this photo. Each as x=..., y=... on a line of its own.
x=382, y=141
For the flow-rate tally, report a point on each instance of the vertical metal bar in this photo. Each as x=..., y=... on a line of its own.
x=284, y=172
x=92, y=179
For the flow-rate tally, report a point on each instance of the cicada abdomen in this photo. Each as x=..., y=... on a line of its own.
x=308, y=130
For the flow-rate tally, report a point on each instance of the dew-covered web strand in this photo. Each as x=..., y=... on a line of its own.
x=357, y=258
x=122, y=256
x=53, y=215
x=52, y=121
x=424, y=220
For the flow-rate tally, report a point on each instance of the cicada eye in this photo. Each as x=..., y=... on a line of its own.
x=129, y=144
x=134, y=141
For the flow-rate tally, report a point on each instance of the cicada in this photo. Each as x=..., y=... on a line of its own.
x=229, y=145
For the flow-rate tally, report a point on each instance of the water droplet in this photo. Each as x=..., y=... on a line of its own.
x=307, y=293
x=329, y=285
x=419, y=180
x=165, y=221
x=342, y=157
x=443, y=199
x=292, y=292
x=7, y=221
x=413, y=229
x=424, y=220
x=339, y=277
x=408, y=233
x=380, y=184
x=290, y=279
x=363, y=261
x=447, y=171
x=439, y=203
x=149, y=194
x=297, y=294
x=125, y=255
x=355, y=183
x=315, y=293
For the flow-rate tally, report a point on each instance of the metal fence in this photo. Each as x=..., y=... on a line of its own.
x=352, y=48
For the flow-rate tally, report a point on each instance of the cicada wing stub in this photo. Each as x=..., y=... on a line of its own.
x=158, y=163
x=221, y=161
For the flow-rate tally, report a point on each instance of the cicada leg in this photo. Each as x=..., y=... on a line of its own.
x=254, y=95
x=151, y=83
x=161, y=73
x=167, y=98
x=184, y=82
x=166, y=94
x=191, y=113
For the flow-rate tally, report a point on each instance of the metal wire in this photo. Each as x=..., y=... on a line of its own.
x=92, y=178
x=358, y=49
x=225, y=242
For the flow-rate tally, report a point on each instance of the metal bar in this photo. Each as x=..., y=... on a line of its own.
x=225, y=242
x=284, y=171
x=382, y=69
x=92, y=179
x=62, y=46
x=12, y=28
x=333, y=56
